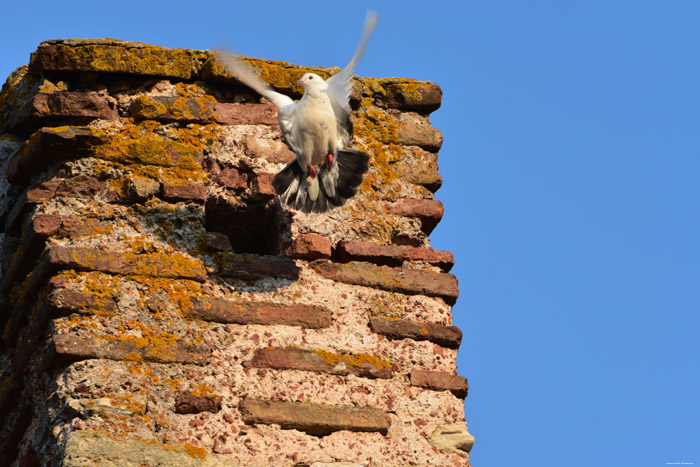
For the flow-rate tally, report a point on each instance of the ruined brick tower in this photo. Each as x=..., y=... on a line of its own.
x=159, y=307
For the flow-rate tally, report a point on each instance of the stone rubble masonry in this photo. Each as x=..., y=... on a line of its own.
x=159, y=306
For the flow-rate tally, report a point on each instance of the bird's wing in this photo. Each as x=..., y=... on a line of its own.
x=340, y=84
x=246, y=74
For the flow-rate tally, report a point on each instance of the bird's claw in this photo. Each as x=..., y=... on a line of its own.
x=330, y=159
x=312, y=171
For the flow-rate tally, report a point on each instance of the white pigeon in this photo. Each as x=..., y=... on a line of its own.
x=317, y=129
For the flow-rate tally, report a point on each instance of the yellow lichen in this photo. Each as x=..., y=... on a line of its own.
x=352, y=360
x=194, y=451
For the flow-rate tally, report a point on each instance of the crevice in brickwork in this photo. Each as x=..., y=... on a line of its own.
x=251, y=226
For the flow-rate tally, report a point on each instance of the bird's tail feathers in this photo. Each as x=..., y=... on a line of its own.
x=331, y=188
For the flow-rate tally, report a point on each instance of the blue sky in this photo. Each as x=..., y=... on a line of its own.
x=571, y=163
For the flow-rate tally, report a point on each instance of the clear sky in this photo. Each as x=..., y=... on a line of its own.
x=572, y=203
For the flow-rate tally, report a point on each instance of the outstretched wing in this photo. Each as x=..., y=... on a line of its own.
x=246, y=74
x=340, y=85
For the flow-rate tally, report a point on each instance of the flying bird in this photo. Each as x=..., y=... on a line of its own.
x=324, y=174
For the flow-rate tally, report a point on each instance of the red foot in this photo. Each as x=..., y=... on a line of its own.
x=330, y=160
x=312, y=171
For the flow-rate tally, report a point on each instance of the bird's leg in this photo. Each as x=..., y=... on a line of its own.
x=312, y=171
x=329, y=158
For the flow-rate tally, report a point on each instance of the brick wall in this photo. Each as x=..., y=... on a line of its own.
x=159, y=306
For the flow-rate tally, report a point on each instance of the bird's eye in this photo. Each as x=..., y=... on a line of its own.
x=311, y=77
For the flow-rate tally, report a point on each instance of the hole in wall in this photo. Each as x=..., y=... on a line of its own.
x=251, y=226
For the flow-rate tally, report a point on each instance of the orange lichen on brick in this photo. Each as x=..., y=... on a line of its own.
x=352, y=360
x=139, y=144
x=17, y=90
x=376, y=133
x=194, y=451
x=111, y=56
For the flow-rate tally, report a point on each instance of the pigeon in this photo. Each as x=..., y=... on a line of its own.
x=325, y=173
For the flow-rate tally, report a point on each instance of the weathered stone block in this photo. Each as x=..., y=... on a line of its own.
x=424, y=136
x=440, y=381
x=446, y=336
x=225, y=311
x=453, y=438
x=245, y=114
x=99, y=448
x=174, y=109
x=272, y=150
x=320, y=361
x=188, y=403
x=195, y=193
x=74, y=108
x=114, y=56
x=419, y=175
x=314, y=419
x=403, y=280
x=392, y=255
x=409, y=94
x=309, y=247
x=154, y=264
x=65, y=301
x=429, y=211
x=67, y=348
x=48, y=144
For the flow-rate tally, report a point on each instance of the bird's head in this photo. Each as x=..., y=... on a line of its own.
x=313, y=83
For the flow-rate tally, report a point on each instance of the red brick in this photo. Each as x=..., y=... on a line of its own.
x=195, y=192
x=429, y=211
x=224, y=311
x=272, y=150
x=419, y=175
x=173, y=109
x=65, y=301
x=421, y=135
x=251, y=267
x=62, y=108
x=309, y=246
x=446, y=336
x=189, y=403
x=153, y=264
x=232, y=178
x=45, y=225
x=141, y=188
x=66, y=348
x=245, y=114
x=113, y=56
x=48, y=144
x=365, y=366
x=218, y=242
x=81, y=186
x=314, y=419
x=392, y=255
x=31, y=246
x=409, y=94
x=440, y=381
x=403, y=280
x=262, y=185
